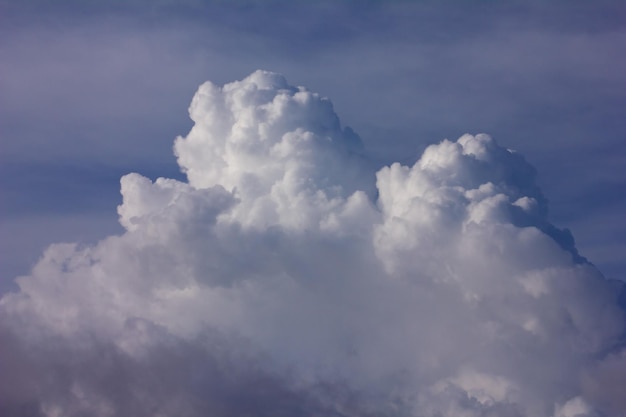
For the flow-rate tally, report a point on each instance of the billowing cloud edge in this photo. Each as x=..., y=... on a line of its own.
x=285, y=278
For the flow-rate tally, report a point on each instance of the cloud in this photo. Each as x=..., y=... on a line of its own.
x=390, y=72
x=285, y=277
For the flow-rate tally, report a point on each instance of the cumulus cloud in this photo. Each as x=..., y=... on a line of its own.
x=286, y=278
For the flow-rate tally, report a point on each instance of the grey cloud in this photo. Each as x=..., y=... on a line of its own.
x=175, y=377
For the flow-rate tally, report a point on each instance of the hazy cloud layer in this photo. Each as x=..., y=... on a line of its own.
x=286, y=278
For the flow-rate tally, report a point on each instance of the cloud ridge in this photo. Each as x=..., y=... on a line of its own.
x=286, y=278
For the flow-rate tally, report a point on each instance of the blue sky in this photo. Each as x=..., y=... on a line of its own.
x=294, y=269
x=93, y=91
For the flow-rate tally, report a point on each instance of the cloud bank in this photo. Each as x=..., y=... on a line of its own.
x=286, y=278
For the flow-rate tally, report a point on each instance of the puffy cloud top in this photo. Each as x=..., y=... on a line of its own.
x=279, y=149
x=284, y=278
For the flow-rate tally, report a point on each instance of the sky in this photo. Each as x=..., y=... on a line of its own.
x=313, y=209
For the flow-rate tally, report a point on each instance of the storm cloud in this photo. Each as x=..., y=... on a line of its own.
x=286, y=277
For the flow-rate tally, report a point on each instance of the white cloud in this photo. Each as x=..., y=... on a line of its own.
x=284, y=278
x=279, y=149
